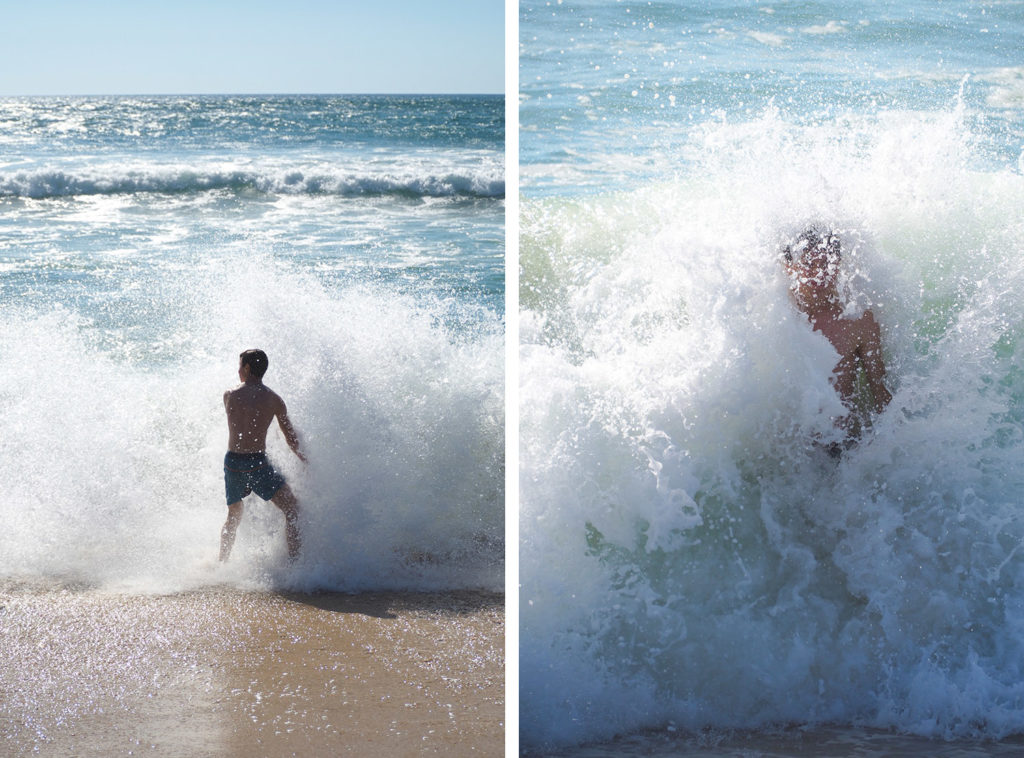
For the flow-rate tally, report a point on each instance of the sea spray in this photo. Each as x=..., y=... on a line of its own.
x=118, y=459
x=690, y=554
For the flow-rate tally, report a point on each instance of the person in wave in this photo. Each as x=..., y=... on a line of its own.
x=251, y=407
x=812, y=262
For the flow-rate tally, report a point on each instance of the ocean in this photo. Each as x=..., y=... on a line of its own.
x=146, y=241
x=697, y=575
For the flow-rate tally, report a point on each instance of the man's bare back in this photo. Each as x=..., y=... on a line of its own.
x=813, y=266
x=859, y=344
x=251, y=407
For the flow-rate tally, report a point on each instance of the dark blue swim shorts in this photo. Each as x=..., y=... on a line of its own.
x=250, y=472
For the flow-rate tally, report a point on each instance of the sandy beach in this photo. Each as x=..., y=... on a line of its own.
x=227, y=672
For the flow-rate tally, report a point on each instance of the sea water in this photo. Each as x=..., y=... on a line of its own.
x=691, y=559
x=146, y=241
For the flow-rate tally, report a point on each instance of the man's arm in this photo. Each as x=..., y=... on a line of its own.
x=871, y=358
x=290, y=435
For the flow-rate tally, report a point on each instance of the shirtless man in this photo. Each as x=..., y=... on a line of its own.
x=250, y=407
x=812, y=263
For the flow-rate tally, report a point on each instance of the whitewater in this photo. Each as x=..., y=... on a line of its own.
x=692, y=562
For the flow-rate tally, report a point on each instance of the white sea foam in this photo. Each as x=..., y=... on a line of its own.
x=832, y=27
x=118, y=449
x=768, y=38
x=689, y=554
x=1008, y=87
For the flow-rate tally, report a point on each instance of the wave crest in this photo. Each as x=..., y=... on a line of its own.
x=55, y=183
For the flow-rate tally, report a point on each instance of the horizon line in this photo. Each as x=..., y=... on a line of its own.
x=258, y=94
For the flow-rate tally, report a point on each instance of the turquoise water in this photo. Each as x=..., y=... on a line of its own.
x=690, y=559
x=146, y=241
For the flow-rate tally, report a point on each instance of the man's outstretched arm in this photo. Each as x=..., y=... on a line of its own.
x=290, y=435
x=874, y=366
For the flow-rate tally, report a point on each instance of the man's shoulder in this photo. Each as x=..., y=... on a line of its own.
x=867, y=320
x=276, y=399
x=865, y=328
x=230, y=391
x=270, y=398
x=255, y=395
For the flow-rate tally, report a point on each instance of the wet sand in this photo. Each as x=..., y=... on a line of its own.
x=225, y=672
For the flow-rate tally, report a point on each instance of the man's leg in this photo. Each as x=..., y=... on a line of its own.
x=285, y=499
x=227, y=534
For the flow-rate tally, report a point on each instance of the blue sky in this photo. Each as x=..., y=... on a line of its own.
x=68, y=47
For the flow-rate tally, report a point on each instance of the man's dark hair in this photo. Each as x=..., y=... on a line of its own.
x=810, y=239
x=257, y=362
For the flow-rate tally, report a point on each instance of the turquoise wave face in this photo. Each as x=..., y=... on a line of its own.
x=691, y=556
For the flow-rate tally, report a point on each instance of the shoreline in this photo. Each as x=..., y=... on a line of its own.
x=834, y=741
x=228, y=672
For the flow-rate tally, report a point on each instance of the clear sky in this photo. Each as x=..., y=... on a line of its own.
x=107, y=47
